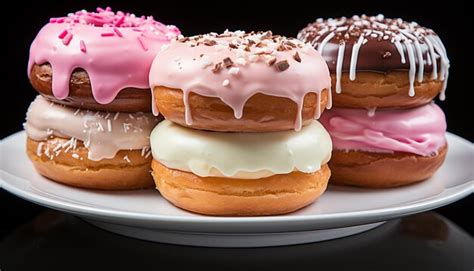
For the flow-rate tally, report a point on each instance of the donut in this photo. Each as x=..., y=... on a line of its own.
x=97, y=60
x=240, y=82
x=386, y=148
x=90, y=149
x=377, y=62
x=240, y=174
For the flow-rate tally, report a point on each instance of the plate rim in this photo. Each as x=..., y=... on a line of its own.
x=371, y=215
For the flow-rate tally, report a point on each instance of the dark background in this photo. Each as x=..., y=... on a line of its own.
x=452, y=20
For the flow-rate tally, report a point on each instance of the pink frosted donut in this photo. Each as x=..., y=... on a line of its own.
x=87, y=58
x=242, y=82
x=386, y=148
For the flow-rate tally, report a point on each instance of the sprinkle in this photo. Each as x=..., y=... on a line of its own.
x=39, y=148
x=100, y=128
x=234, y=71
x=120, y=21
x=126, y=158
x=57, y=147
x=142, y=43
x=144, y=150
x=131, y=116
x=82, y=45
x=63, y=34
x=148, y=154
x=67, y=39
x=109, y=125
x=75, y=156
x=107, y=115
x=117, y=31
x=225, y=83
x=387, y=54
x=253, y=58
x=241, y=61
x=107, y=34
x=217, y=67
x=271, y=61
x=227, y=62
x=116, y=115
x=282, y=65
x=297, y=57
x=126, y=127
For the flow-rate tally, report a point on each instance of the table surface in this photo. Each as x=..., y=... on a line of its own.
x=36, y=238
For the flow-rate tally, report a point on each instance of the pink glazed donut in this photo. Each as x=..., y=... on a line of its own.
x=97, y=60
x=240, y=82
x=386, y=148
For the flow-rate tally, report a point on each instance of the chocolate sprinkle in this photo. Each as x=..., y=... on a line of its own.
x=217, y=67
x=297, y=57
x=227, y=62
x=282, y=65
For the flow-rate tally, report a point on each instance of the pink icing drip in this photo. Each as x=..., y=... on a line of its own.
x=419, y=130
x=112, y=63
x=189, y=68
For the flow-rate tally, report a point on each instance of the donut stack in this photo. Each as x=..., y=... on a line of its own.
x=385, y=128
x=90, y=126
x=240, y=137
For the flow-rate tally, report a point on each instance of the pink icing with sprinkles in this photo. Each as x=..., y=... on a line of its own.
x=105, y=44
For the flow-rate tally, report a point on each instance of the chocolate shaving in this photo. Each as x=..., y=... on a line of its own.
x=209, y=42
x=291, y=44
x=227, y=62
x=272, y=61
x=297, y=57
x=267, y=35
x=233, y=46
x=217, y=67
x=282, y=65
x=281, y=47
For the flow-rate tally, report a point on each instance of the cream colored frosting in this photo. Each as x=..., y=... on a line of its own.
x=240, y=155
x=103, y=133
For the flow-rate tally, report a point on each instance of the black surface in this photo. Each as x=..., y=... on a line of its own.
x=35, y=239
x=54, y=241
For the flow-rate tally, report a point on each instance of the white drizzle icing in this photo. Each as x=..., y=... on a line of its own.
x=354, y=56
x=340, y=59
x=412, y=71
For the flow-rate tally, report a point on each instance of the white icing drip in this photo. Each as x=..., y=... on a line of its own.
x=399, y=47
x=412, y=71
x=421, y=64
x=371, y=111
x=340, y=61
x=428, y=58
x=434, y=73
x=325, y=41
x=354, y=56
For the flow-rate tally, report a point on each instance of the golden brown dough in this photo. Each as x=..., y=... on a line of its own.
x=79, y=171
x=382, y=170
x=80, y=93
x=262, y=113
x=371, y=89
x=273, y=195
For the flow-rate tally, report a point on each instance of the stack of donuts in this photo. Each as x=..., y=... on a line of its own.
x=240, y=136
x=90, y=125
x=385, y=73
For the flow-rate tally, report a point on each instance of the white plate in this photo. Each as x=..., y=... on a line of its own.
x=341, y=211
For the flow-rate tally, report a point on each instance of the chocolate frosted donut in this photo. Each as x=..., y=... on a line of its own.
x=380, y=62
x=97, y=60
